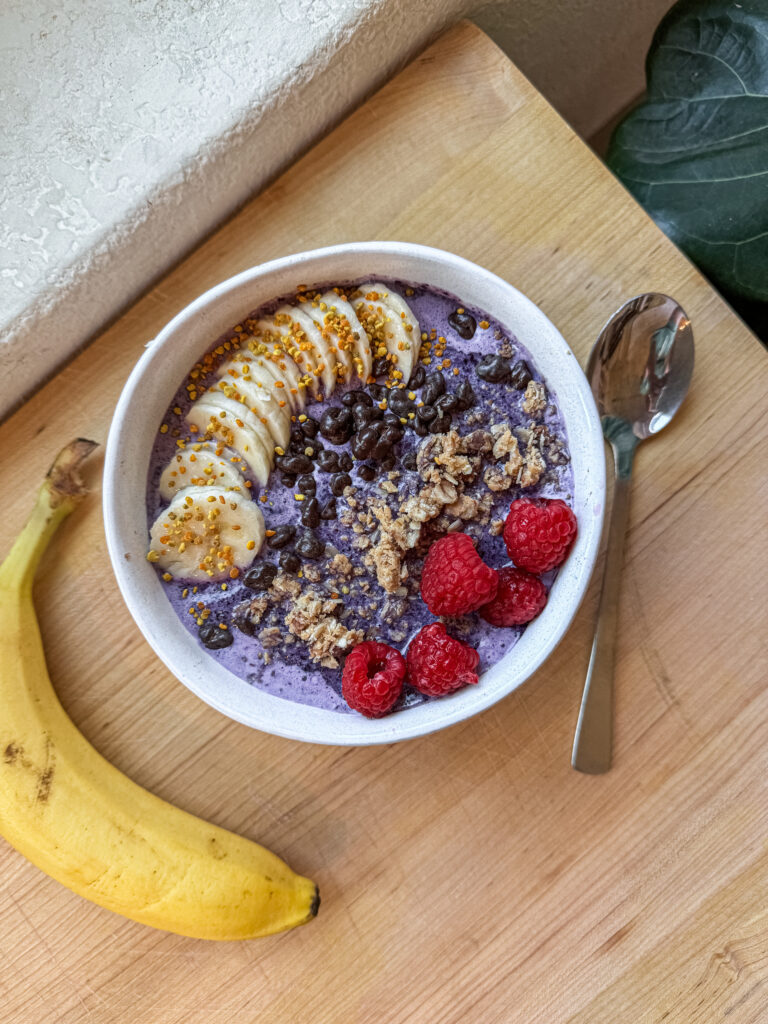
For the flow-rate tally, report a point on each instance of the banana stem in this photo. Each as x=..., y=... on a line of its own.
x=61, y=491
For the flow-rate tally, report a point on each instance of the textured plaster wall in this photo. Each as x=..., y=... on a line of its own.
x=129, y=130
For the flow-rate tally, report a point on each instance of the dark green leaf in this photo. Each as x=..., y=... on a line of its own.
x=695, y=153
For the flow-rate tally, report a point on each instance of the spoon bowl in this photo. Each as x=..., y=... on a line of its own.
x=640, y=368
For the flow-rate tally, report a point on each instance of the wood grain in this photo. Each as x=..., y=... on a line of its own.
x=471, y=876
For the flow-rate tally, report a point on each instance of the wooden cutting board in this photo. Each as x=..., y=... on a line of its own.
x=470, y=876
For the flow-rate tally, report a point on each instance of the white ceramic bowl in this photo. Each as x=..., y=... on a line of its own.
x=189, y=335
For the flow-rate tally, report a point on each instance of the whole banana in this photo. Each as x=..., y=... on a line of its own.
x=83, y=822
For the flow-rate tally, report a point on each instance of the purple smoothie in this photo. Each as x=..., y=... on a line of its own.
x=291, y=674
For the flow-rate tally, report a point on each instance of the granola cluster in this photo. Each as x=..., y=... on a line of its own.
x=448, y=466
x=311, y=616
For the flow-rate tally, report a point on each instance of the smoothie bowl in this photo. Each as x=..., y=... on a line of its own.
x=355, y=495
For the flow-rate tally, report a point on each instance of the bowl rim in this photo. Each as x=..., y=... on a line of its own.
x=193, y=667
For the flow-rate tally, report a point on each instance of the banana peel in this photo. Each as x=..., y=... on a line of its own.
x=80, y=820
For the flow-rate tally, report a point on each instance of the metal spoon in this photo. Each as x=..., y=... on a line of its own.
x=639, y=370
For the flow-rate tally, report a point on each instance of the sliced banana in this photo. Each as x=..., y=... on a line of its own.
x=306, y=331
x=275, y=369
x=200, y=465
x=239, y=414
x=260, y=398
x=207, y=533
x=408, y=320
x=329, y=324
x=391, y=324
x=342, y=319
x=302, y=358
x=215, y=415
x=283, y=369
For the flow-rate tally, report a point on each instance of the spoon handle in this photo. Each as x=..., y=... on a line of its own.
x=594, y=731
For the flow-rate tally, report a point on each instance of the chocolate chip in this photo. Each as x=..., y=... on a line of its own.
x=305, y=484
x=493, y=368
x=287, y=479
x=465, y=395
x=363, y=414
x=356, y=397
x=520, y=375
x=464, y=324
x=310, y=546
x=260, y=576
x=294, y=464
x=399, y=402
x=391, y=434
x=380, y=366
x=366, y=473
x=365, y=440
x=379, y=392
x=283, y=535
x=420, y=428
x=409, y=461
x=214, y=638
x=388, y=463
x=328, y=461
x=310, y=427
x=346, y=462
x=310, y=513
x=433, y=388
x=336, y=424
x=426, y=413
x=440, y=425
x=289, y=562
x=446, y=404
x=328, y=511
x=339, y=482
x=418, y=377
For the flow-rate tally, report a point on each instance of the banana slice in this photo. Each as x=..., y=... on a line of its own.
x=276, y=369
x=215, y=415
x=200, y=465
x=284, y=370
x=206, y=533
x=260, y=399
x=305, y=331
x=280, y=338
x=348, y=327
x=351, y=339
x=331, y=329
x=398, y=305
x=391, y=324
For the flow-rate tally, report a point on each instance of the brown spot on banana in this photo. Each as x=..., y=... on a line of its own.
x=63, y=479
x=44, y=785
x=12, y=753
x=216, y=851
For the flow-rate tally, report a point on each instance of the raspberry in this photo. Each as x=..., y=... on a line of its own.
x=438, y=664
x=373, y=678
x=455, y=579
x=539, y=533
x=520, y=598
